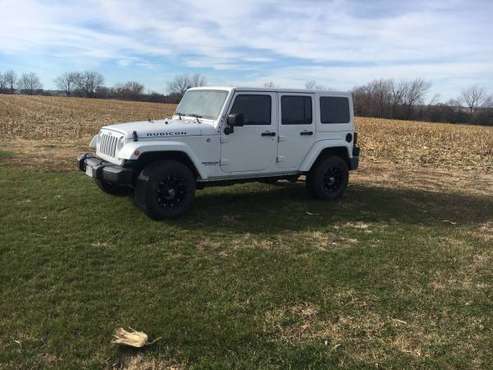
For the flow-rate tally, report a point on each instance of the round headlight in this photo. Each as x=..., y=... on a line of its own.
x=94, y=142
x=121, y=142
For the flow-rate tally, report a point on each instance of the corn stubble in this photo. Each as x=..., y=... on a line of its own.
x=403, y=143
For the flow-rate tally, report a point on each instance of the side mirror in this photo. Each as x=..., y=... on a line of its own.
x=228, y=130
x=235, y=119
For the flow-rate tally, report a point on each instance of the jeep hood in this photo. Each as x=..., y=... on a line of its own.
x=163, y=128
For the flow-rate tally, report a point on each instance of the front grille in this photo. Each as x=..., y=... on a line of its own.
x=107, y=144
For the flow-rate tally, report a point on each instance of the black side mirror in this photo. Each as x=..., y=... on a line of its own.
x=235, y=119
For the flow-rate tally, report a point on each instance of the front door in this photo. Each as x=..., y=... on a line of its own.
x=296, y=130
x=252, y=147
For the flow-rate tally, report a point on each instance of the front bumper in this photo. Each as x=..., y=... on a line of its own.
x=106, y=171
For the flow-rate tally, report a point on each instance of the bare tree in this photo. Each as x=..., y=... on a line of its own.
x=415, y=93
x=129, y=90
x=179, y=85
x=474, y=97
x=3, y=85
x=398, y=92
x=182, y=83
x=270, y=85
x=10, y=79
x=67, y=82
x=387, y=98
x=87, y=83
x=378, y=97
x=29, y=83
x=198, y=80
x=488, y=103
x=313, y=85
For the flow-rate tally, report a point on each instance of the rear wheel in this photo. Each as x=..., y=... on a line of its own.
x=165, y=189
x=112, y=189
x=328, y=179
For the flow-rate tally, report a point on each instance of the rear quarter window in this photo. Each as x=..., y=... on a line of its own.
x=334, y=109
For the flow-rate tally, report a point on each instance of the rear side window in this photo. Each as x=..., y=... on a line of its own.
x=296, y=110
x=334, y=109
x=256, y=109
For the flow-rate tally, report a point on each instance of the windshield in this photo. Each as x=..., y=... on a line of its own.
x=202, y=103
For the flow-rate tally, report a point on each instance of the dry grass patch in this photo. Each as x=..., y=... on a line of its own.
x=322, y=240
x=139, y=361
x=283, y=242
x=484, y=231
x=367, y=335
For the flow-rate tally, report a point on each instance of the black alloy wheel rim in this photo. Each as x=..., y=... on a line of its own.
x=332, y=181
x=171, y=191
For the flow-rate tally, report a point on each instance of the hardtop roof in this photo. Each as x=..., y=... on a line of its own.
x=270, y=89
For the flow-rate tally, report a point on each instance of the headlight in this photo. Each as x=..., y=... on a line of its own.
x=121, y=143
x=94, y=141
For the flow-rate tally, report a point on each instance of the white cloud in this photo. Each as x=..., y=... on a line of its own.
x=336, y=42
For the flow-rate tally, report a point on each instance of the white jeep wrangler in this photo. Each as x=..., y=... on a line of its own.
x=225, y=135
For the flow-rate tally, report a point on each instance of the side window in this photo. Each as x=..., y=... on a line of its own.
x=296, y=110
x=256, y=109
x=334, y=109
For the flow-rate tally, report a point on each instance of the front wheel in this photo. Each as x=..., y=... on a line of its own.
x=328, y=179
x=165, y=189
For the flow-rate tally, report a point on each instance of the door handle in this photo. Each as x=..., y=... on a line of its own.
x=268, y=133
x=306, y=133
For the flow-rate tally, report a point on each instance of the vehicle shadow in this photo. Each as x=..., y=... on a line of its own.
x=257, y=208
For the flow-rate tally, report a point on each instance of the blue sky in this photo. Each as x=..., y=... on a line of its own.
x=339, y=44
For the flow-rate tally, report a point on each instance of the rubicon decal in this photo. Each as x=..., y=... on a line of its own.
x=167, y=133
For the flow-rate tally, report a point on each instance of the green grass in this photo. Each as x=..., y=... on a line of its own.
x=5, y=155
x=256, y=276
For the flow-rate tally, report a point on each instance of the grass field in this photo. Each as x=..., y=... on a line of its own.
x=397, y=275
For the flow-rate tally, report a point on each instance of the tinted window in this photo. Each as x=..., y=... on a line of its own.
x=334, y=110
x=256, y=109
x=296, y=110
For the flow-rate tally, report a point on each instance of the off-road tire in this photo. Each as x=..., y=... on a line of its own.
x=165, y=189
x=328, y=179
x=109, y=188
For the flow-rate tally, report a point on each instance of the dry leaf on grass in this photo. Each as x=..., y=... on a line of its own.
x=133, y=338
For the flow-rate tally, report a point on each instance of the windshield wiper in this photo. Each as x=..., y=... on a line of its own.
x=196, y=116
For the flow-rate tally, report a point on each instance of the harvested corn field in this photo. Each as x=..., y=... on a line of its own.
x=71, y=122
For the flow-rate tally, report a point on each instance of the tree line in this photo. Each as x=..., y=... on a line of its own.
x=27, y=83
x=409, y=100
x=383, y=98
x=89, y=84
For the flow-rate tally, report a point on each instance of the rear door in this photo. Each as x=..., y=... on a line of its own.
x=296, y=129
x=252, y=147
